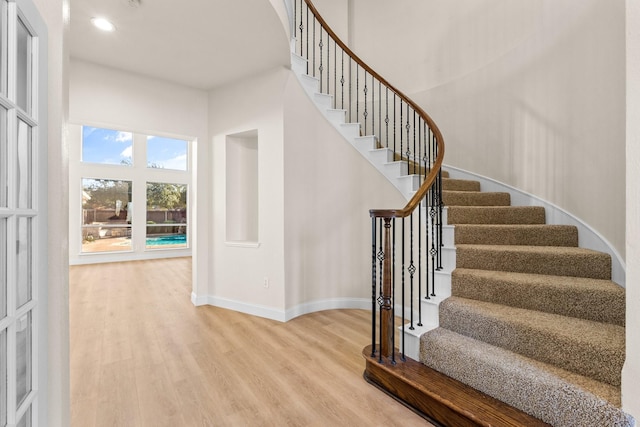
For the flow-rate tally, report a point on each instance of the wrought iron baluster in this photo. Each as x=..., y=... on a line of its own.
x=404, y=302
x=401, y=133
x=350, y=98
x=415, y=163
x=373, y=286
x=380, y=293
x=314, y=48
x=412, y=268
x=419, y=265
x=342, y=83
x=379, y=110
x=320, y=68
x=409, y=153
x=393, y=292
x=386, y=120
x=404, y=284
x=365, y=113
x=335, y=74
x=373, y=105
x=394, y=124
x=357, y=93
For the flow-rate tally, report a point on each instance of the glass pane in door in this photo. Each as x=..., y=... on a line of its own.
x=3, y=158
x=23, y=358
x=3, y=378
x=24, y=172
x=3, y=48
x=25, y=421
x=3, y=268
x=23, y=76
x=23, y=255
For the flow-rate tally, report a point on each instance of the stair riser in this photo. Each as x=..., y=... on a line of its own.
x=507, y=215
x=349, y=130
x=595, y=266
x=460, y=185
x=472, y=198
x=364, y=144
x=336, y=117
x=544, y=235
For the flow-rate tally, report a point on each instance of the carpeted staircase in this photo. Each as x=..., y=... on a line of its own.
x=533, y=320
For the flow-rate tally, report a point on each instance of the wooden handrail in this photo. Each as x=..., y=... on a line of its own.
x=435, y=168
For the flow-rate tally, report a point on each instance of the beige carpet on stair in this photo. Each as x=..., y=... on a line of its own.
x=534, y=320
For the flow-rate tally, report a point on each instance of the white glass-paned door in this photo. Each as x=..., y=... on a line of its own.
x=20, y=209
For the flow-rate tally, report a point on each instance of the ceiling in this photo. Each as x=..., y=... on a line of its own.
x=196, y=43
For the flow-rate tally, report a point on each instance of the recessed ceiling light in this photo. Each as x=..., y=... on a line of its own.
x=103, y=24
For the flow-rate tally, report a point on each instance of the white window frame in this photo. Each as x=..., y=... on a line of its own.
x=36, y=119
x=139, y=174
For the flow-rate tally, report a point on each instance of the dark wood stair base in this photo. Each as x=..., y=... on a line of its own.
x=440, y=398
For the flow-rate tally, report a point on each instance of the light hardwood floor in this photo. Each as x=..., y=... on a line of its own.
x=143, y=355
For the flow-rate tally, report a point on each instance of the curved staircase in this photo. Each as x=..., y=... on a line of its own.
x=517, y=325
x=533, y=320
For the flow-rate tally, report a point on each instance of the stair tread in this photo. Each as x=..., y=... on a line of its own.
x=586, y=347
x=592, y=299
x=552, y=394
x=535, y=249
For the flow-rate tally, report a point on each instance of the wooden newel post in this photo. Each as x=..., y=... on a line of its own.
x=386, y=314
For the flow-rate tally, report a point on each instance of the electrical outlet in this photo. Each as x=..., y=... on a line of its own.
x=266, y=282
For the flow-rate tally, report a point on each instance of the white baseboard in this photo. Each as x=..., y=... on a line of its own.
x=281, y=315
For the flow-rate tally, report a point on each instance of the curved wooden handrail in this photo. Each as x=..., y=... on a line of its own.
x=435, y=168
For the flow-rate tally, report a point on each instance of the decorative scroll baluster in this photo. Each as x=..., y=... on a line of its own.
x=365, y=112
x=412, y=268
x=320, y=68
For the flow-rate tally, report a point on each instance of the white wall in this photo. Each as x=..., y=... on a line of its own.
x=113, y=99
x=238, y=272
x=329, y=188
x=631, y=371
x=528, y=93
x=314, y=194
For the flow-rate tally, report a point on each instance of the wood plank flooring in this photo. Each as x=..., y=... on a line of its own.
x=143, y=355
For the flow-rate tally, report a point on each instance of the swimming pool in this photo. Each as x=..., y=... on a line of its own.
x=167, y=239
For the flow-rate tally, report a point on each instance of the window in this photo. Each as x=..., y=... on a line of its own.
x=106, y=215
x=129, y=195
x=166, y=216
x=166, y=153
x=106, y=146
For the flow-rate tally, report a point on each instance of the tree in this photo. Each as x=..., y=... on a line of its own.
x=103, y=193
x=166, y=196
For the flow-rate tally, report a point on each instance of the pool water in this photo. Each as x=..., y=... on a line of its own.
x=170, y=239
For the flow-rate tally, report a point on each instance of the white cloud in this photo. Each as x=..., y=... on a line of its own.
x=177, y=163
x=124, y=137
x=127, y=152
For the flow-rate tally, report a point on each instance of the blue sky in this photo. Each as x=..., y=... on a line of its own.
x=114, y=147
